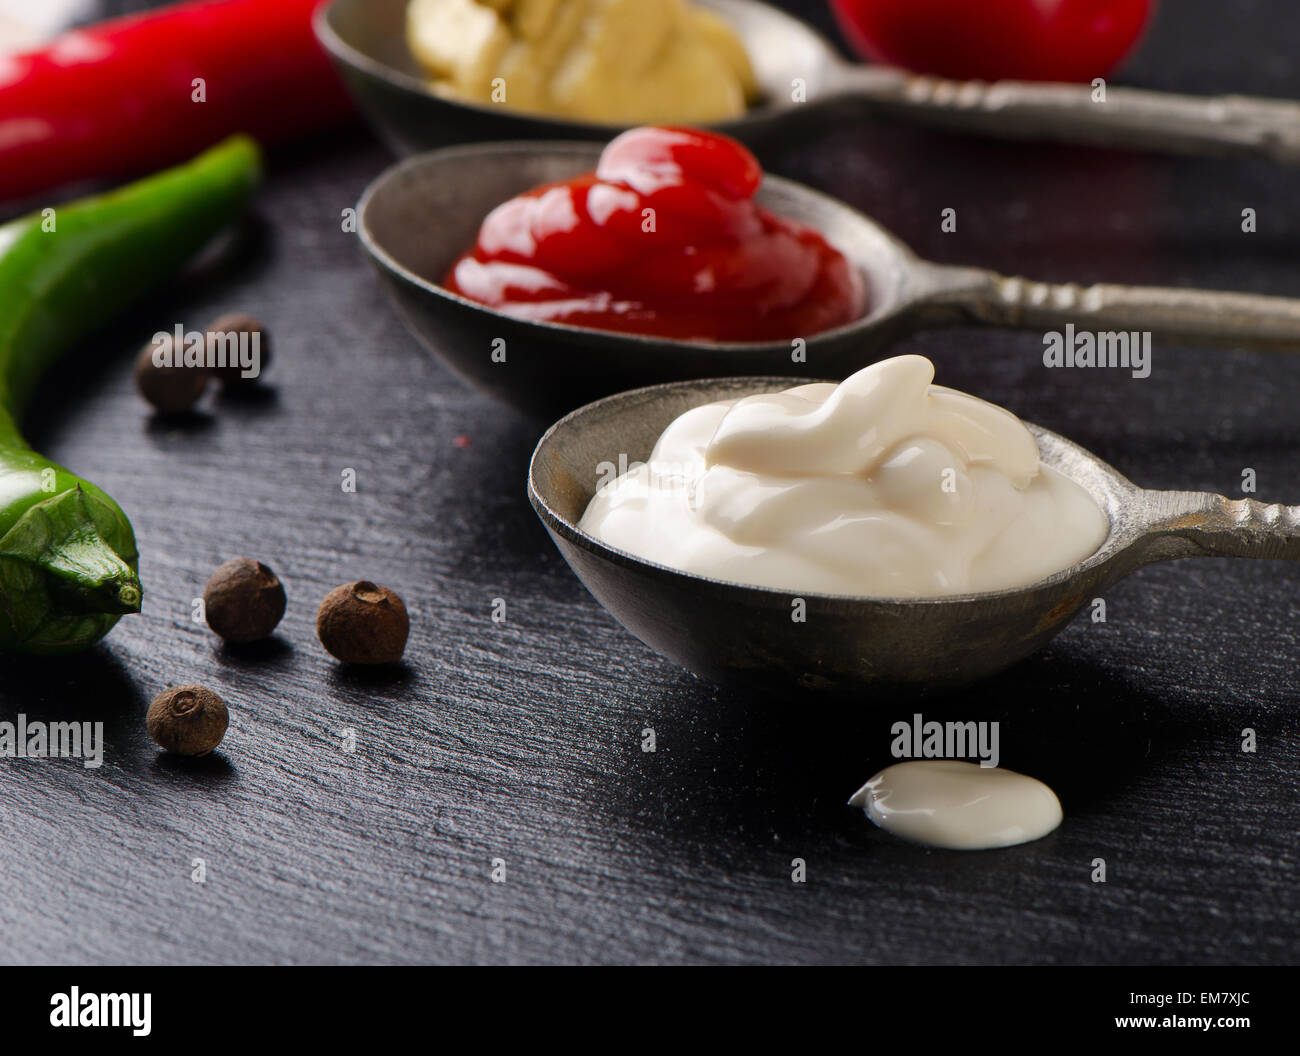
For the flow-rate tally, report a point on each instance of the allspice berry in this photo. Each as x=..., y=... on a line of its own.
x=236, y=332
x=169, y=389
x=243, y=601
x=188, y=720
x=361, y=623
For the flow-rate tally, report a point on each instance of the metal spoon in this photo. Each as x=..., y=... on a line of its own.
x=419, y=215
x=367, y=40
x=847, y=646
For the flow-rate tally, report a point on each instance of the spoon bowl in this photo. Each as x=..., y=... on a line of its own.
x=367, y=41
x=849, y=646
x=419, y=216
x=422, y=213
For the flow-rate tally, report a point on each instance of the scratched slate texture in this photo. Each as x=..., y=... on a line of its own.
x=522, y=740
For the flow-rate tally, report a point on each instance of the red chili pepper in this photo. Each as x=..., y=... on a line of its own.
x=138, y=93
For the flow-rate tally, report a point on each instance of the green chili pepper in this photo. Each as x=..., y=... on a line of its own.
x=68, y=562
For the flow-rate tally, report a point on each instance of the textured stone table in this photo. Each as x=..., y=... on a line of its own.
x=521, y=740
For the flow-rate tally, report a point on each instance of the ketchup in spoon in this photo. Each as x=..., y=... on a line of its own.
x=664, y=238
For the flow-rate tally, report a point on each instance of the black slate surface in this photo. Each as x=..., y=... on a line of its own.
x=522, y=740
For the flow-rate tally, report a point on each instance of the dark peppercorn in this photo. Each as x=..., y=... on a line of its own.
x=239, y=324
x=170, y=390
x=243, y=600
x=188, y=720
x=361, y=623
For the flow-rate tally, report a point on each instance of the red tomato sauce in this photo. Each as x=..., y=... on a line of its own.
x=664, y=238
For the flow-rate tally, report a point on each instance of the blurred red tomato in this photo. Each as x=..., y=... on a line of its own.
x=1031, y=40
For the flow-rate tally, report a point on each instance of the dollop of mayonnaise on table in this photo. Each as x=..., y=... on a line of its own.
x=884, y=485
x=959, y=805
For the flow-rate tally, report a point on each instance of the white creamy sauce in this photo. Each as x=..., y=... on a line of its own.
x=960, y=806
x=884, y=485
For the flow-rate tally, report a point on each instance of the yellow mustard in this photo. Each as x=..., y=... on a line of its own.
x=614, y=61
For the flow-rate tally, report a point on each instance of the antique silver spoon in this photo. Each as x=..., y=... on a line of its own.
x=367, y=41
x=860, y=647
x=420, y=214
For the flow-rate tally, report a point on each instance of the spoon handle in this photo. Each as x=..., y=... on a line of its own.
x=1201, y=524
x=945, y=294
x=1081, y=113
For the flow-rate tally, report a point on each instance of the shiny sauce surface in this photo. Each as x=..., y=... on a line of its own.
x=664, y=239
